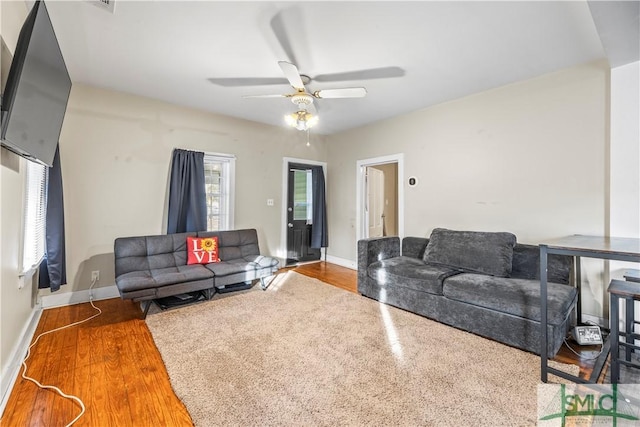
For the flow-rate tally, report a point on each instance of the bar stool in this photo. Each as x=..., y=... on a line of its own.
x=632, y=275
x=630, y=292
x=630, y=319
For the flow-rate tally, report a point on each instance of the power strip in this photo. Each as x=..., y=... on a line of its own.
x=587, y=335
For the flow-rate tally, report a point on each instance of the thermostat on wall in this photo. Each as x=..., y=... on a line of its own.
x=413, y=181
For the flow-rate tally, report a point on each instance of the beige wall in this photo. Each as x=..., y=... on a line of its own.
x=527, y=158
x=624, y=194
x=115, y=151
x=625, y=151
x=16, y=305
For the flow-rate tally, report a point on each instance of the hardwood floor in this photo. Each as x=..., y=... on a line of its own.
x=341, y=277
x=113, y=365
x=110, y=362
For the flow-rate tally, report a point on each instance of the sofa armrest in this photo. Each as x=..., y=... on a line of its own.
x=376, y=249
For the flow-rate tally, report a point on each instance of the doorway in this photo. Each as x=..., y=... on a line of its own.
x=299, y=208
x=381, y=202
x=380, y=197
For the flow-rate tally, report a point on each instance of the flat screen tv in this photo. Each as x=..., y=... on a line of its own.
x=37, y=90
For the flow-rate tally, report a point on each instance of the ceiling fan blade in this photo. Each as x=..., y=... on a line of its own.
x=278, y=27
x=348, y=92
x=266, y=96
x=373, y=73
x=291, y=73
x=247, y=81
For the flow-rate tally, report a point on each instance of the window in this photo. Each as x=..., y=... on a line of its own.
x=35, y=215
x=302, y=195
x=219, y=172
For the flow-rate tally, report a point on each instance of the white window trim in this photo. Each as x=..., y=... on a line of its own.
x=230, y=184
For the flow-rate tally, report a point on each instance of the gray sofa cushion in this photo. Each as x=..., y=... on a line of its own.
x=150, y=252
x=235, y=244
x=519, y=297
x=410, y=273
x=233, y=271
x=414, y=247
x=234, y=266
x=473, y=251
x=526, y=264
x=136, y=280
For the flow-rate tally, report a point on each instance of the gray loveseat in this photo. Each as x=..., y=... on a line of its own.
x=152, y=267
x=483, y=283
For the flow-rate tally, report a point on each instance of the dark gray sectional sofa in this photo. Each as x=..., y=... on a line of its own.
x=483, y=283
x=152, y=267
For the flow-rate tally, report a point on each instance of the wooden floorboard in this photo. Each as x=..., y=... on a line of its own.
x=113, y=365
x=344, y=278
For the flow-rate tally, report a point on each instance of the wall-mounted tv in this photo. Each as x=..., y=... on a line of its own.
x=38, y=85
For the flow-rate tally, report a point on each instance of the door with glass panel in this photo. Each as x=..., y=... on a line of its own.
x=299, y=215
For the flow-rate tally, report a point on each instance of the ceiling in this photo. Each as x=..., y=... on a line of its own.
x=185, y=52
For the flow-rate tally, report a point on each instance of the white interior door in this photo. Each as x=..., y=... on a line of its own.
x=362, y=218
x=375, y=202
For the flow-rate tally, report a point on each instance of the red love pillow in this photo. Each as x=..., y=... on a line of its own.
x=202, y=250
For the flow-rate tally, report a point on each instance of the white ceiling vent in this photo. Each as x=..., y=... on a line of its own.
x=108, y=5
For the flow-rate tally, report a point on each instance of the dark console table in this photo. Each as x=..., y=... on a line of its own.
x=611, y=248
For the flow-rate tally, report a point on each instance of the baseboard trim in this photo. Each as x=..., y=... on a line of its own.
x=12, y=370
x=78, y=297
x=342, y=262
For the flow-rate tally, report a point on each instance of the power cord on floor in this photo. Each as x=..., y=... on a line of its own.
x=51, y=387
x=580, y=355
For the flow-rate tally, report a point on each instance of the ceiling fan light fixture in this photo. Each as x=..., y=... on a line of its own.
x=301, y=120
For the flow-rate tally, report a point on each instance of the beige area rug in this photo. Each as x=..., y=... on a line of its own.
x=307, y=353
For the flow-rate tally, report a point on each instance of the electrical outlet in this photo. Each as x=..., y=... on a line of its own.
x=95, y=275
x=269, y=202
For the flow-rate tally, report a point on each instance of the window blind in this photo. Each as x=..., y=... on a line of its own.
x=35, y=215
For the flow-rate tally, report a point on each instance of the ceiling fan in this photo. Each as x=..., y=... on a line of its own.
x=283, y=27
x=303, y=118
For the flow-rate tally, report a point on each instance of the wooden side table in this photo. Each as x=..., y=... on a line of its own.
x=630, y=292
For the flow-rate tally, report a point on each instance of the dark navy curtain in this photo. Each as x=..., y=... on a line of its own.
x=187, y=196
x=53, y=270
x=319, y=233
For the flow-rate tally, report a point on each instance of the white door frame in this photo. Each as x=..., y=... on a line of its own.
x=282, y=253
x=361, y=191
